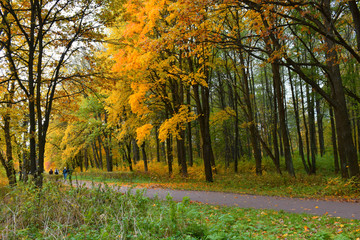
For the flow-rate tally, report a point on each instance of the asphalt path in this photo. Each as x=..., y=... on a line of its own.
x=348, y=210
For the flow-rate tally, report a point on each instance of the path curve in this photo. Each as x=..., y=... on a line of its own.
x=295, y=205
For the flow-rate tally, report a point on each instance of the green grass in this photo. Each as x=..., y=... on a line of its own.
x=55, y=212
x=324, y=185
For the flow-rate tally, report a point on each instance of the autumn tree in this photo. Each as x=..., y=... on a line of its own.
x=41, y=40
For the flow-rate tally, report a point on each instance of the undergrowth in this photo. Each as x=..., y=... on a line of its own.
x=324, y=185
x=58, y=212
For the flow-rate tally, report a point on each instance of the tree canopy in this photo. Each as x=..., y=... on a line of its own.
x=86, y=82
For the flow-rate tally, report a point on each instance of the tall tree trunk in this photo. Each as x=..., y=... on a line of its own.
x=107, y=146
x=202, y=103
x=356, y=20
x=136, y=151
x=319, y=118
x=298, y=128
x=311, y=117
x=250, y=117
x=95, y=154
x=305, y=126
x=225, y=128
x=181, y=153
x=146, y=169
x=189, y=132
x=233, y=102
x=86, y=158
x=281, y=108
x=333, y=140
x=109, y=158
x=100, y=153
x=8, y=163
x=274, y=111
x=128, y=154
x=169, y=154
x=347, y=151
x=201, y=97
x=157, y=143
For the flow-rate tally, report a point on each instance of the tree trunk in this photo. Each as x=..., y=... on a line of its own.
x=356, y=20
x=86, y=158
x=347, y=151
x=100, y=153
x=250, y=117
x=95, y=154
x=136, y=151
x=319, y=118
x=189, y=132
x=8, y=163
x=157, y=143
x=225, y=128
x=333, y=140
x=169, y=154
x=202, y=103
x=181, y=153
x=146, y=169
x=128, y=154
x=298, y=128
x=281, y=108
x=305, y=126
x=311, y=117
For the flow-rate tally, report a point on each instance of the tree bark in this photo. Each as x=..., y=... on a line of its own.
x=285, y=137
x=356, y=20
x=157, y=144
x=169, y=154
x=298, y=128
x=311, y=118
x=202, y=103
x=189, y=131
x=181, y=153
x=347, y=151
x=319, y=119
x=333, y=140
x=146, y=169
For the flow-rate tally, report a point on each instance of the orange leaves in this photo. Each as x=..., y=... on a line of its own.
x=156, y=39
x=137, y=99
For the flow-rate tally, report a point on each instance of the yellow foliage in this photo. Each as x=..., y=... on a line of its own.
x=246, y=124
x=176, y=123
x=137, y=99
x=222, y=116
x=142, y=132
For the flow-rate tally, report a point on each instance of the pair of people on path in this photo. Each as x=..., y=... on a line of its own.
x=56, y=171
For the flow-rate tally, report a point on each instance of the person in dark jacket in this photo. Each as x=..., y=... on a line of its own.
x=51, y=171
x=65, y=173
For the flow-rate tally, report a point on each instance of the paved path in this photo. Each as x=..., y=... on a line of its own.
x=296, y=205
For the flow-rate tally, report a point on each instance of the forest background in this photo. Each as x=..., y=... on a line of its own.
x=231, y=86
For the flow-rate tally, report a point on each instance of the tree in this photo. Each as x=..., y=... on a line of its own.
x=40, y=40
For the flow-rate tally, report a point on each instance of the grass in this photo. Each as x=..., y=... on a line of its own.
x=324, y=185
x=58, y=212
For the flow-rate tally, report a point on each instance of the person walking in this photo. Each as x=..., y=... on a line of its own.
x=65, y=173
